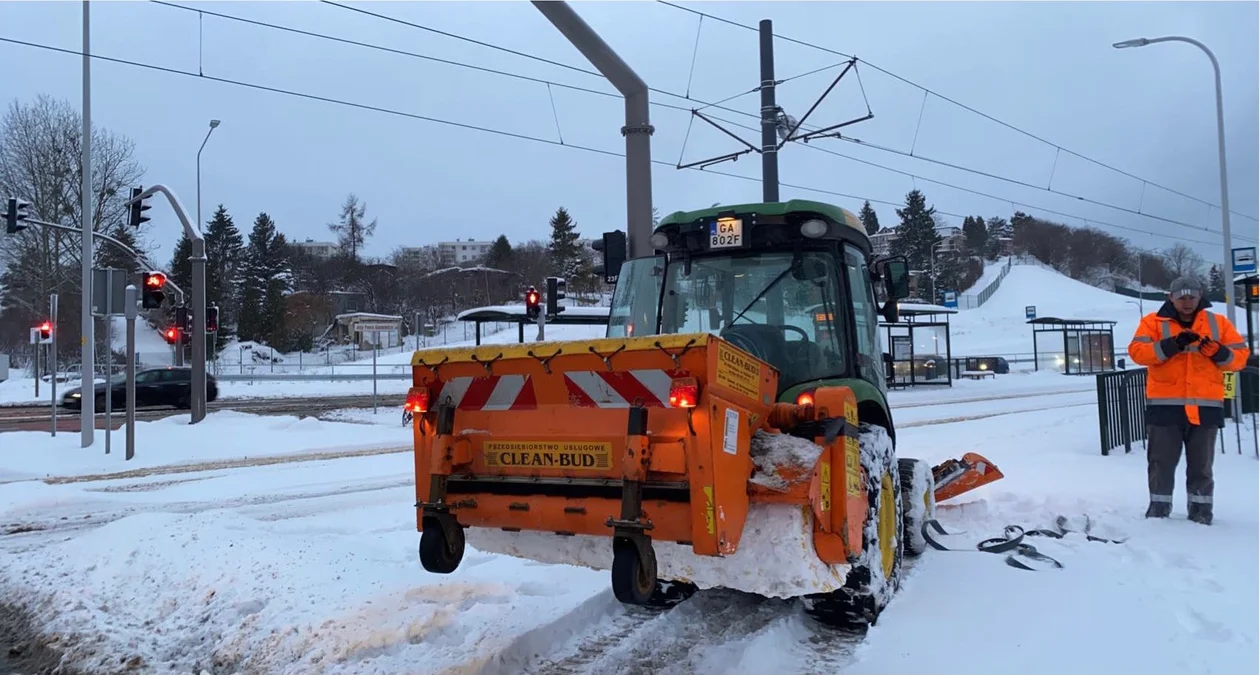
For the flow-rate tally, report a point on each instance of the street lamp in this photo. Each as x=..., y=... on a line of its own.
x=1220, y=141
x=213, y=125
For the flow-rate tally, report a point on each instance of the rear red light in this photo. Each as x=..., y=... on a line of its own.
x=684, y=392
x=805, y=398
x=417, y=400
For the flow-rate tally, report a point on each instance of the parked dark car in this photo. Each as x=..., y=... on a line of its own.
x=171, y=386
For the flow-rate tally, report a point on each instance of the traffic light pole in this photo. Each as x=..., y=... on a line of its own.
x=193, y=231
x=129, y=311
x=87, y=415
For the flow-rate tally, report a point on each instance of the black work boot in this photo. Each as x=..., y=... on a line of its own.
x=1159, y=510
x=1200, y=513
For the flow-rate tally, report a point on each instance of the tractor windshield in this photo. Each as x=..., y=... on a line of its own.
x=776, y=306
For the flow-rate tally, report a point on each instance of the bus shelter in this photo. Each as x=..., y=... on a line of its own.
x=1073, y=346
x=571, y=316
x=918, y=351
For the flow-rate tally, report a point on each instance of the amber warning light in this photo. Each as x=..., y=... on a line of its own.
x=417, y=400
x=683, y=392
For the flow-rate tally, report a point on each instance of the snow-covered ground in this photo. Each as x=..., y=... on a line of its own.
x=310, y=567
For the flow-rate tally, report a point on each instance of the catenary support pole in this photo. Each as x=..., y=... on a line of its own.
x=638, y=128
x=87, y=413
x=129, y=311
x=769, y=117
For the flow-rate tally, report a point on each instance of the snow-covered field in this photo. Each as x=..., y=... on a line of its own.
x=310, y=566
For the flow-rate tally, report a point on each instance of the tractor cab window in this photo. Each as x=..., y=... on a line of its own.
x=781, y=310
x=636, y=299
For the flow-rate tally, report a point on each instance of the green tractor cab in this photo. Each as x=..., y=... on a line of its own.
x=792, y=283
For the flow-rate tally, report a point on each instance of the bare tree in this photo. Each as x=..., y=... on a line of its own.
x=352, y=229
x=1183, y=261
x=40, y=154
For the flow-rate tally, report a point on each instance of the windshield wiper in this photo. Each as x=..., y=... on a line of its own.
x=762, y=294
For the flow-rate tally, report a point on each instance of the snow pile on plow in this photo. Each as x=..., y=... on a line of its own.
x=775, y=558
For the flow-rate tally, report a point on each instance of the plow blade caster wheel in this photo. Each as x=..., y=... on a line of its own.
x=633, y=572
x=440, y=553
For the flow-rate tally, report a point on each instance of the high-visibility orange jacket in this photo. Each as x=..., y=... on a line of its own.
x=1186, y=377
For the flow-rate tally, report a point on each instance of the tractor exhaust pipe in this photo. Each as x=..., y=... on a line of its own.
x=637, y=130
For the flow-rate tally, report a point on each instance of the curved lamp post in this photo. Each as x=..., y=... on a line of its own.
x=1220, y=142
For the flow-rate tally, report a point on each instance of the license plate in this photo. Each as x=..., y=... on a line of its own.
x=726, y=233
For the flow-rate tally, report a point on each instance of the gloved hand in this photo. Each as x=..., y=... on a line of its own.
x=1213, y=350
x=1186, y=338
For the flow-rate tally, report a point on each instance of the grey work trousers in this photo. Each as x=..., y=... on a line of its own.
x=1163, y=453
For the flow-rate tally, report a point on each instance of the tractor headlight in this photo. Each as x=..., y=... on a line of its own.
x=813, y=228
x=659, y=241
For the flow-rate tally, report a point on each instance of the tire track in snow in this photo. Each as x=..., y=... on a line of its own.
x=712, y=632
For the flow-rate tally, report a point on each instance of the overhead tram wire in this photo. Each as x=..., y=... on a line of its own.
x=514, y=52
x=704, y=105
x=964, y=106
x=500, y=132
x=979, y=193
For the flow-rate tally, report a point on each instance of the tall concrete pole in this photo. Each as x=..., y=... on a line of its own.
x=87, y=416
x=637, y=130
x=769, y=117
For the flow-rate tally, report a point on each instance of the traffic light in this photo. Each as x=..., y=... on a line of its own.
x=555, y=293
x=183, y=319
x=137, y=208
x=212, y=319
x=151, y=284
x=531, y=303
x=45, y=333
x=15, y=216
x=171, y=334
x=613, y=247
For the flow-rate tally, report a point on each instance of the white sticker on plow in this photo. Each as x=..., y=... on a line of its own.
x=731, y=434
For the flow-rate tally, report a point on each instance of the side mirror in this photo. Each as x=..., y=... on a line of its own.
x=896, y=279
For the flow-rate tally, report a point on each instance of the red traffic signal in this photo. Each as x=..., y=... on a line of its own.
x=155, y=280
x=45, y=331
x=171, y=335
x=531, y=302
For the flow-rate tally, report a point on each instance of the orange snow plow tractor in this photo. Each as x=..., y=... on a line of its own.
x=669, y=460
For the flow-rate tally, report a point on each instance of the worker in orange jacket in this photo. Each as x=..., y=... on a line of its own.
x=1186, y=350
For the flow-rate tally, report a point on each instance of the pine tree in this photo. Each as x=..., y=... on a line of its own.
x=869, y=219
x=566, y=255
x=352, y=229
x=916, y=234
x=110, y=255
x=224, y=249
x=500, y=254
x=1216, y=283
x=180, y=269
x=266, y=279
x=997, y=230
x=977, y=234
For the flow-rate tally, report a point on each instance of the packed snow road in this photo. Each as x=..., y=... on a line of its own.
x=310, y=567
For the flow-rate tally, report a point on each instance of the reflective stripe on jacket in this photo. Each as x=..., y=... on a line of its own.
x=1187, y=378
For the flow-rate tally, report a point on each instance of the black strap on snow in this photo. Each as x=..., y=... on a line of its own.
x=1012, y=541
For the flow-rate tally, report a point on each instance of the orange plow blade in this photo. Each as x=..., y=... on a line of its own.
x=956, y=476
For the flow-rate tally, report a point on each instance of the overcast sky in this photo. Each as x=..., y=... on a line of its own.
x=1045, y=67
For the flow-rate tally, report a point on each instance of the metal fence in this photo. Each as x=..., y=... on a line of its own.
x=974, y=300
x=1121, y=409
